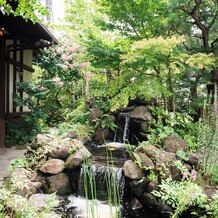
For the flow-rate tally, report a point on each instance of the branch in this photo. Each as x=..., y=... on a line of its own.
x=196, y=7
x=147, y=74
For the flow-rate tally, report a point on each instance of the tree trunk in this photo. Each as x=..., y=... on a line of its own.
x=171, y=100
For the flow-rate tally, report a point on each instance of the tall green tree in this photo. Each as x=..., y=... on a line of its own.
x=135, y=18
x=29, y=10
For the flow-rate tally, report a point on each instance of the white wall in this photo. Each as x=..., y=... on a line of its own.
x=27, y=57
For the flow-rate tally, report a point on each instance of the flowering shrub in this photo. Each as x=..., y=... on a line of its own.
x=59, y=83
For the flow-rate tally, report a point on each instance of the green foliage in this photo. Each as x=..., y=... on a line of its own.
x=215, y=174
x=20, y=135
x=181, y=195
x=135, y=18
x=14, y=205
x=18, y=163
x=208, y=142
x=78, y=115
x=168, y=123
x=137, y=159
x=29, y=10
x=182, y=155
x=105, y=121
x=214, y=205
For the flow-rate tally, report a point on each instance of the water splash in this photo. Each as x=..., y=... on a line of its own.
x=83, y=208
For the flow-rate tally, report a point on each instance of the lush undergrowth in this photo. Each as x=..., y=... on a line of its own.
x=116, y=56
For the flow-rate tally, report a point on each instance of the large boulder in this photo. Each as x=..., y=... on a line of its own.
x=59, y=183
x=151, y=151
x=23, y=182
x=41, y=139
x=174, y=143
x=142, y=113
x=101, y=135
x=135, y=204
x=145, y=161
x=53, y=166
x=148, y=200
x=94, y=114
x=62, y=150
x=21, y=174
x=166, y=158
x=41, y=200
x=136, y=187
x=194, y=159
x=76, y=159
x=152, y=186
x=28, y=189
x=132, y=170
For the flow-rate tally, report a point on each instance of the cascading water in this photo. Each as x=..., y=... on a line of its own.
x=100, y=192
x=100, y=177
x=101, y=181
x=122, y=133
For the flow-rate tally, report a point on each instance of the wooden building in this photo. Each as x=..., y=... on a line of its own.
x=18, y=41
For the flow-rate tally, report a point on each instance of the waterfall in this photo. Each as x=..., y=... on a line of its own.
x=122, y=133
x=100, y=193
x=100, y=177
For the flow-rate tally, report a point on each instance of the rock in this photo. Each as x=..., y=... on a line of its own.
x=41, y=179
x=94, y=114
x=151, y=151
x=33, y=176
x=21, y=181
x=166, y=158
x=62, y=150
x=135, y=204
x=148, y=200
x=136, y=187
x=21, y=174
x=145, y=126
x=174, y=143
x=52, y=166
x=76, y=159
x=142, y=113
x=164, y=208
x=152, y=186
x=210, y=191
x=132, y=170
x=188, y=167
x=193, y=159
x=101, y=135
x=28, y=190
x=142, y=136
x=72, y=135
x=37, y=185
x=41, y=200
x=146, y=162
x=10, y=203
x=175, y=173
x=59, y=183
x=41, y=139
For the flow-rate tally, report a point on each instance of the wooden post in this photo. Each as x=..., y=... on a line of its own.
x=2, y=92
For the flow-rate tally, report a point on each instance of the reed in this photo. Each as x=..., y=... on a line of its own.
x=112, y=186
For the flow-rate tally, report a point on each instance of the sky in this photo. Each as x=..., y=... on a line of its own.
x=58, y=10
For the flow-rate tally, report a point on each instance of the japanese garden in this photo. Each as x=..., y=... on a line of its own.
x=118, y=116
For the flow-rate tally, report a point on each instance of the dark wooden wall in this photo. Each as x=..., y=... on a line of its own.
x=2, y=91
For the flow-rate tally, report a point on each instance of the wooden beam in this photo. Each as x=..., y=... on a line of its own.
x=2, y=92
x=19, y=64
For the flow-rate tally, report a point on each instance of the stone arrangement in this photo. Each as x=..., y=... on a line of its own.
x=155, y=164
